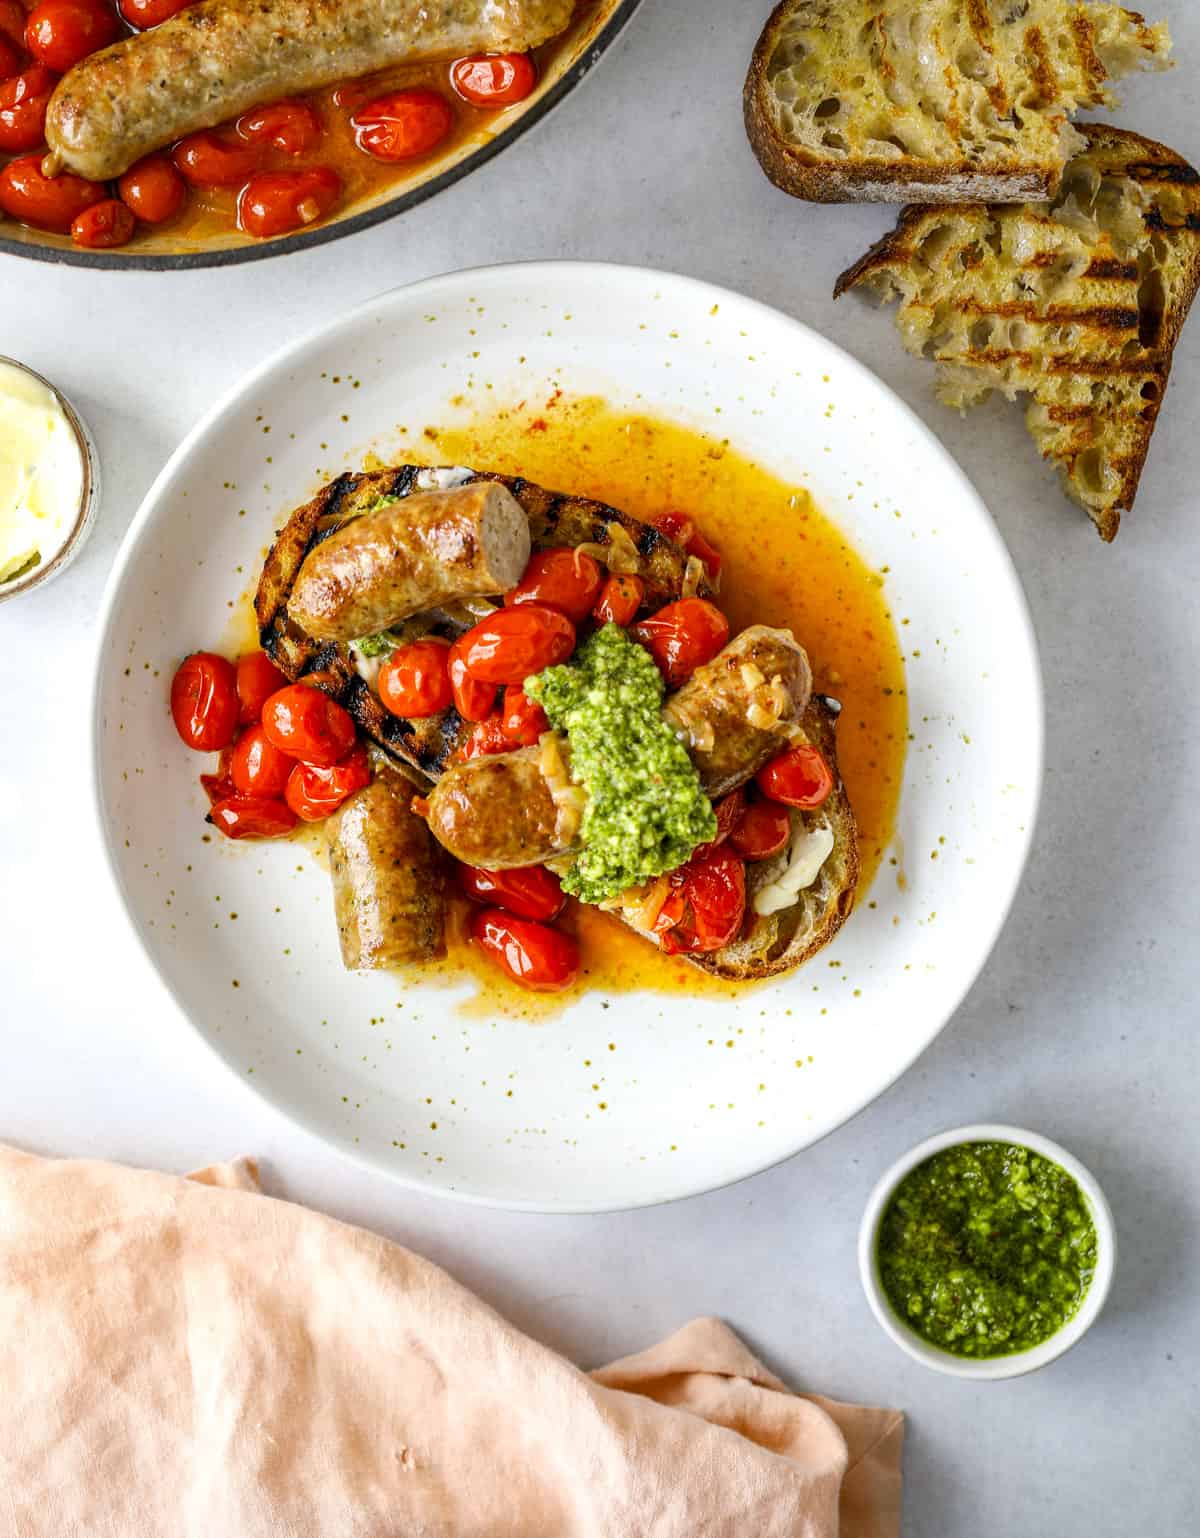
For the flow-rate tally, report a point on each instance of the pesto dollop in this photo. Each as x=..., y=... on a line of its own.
x=986, y=1249
x=646, y=811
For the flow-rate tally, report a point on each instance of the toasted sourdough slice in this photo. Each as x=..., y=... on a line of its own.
x=774, y=944
x=934, y=101
x=1079, y=305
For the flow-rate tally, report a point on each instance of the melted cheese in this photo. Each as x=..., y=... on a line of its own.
x=811, y=847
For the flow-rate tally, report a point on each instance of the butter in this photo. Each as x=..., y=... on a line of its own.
x=41, y=474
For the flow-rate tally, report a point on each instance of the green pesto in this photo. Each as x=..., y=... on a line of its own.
x=646, y=811
x=986, y=1249
x=381, y=645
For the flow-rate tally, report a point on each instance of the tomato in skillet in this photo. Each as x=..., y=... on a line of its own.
x=683, y=636
x=800, y=777
x=277, y=202
x=566, y=580
x=706, y=905
x=23, y=102
x=204, y=702
x=207, y=160
x=293, y=127
x=61, y=32
x=763, y=829
x=620, y=599
x=47, y=202
x=257, y=680
x=257, y=767
x=414, y=683
x=252, y=817
x=532, y=892
x=511, y=645
x=403, y=125
x=151, y=13
x=104, y=225
x=10, y=60
x=494, y=79
x=306, y=724
x=532, y=954
x=313, y=792
x=473, y=699
x=153, y=189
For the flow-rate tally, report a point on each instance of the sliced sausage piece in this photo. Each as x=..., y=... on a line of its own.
x=387, y=877
x=422, y=551
x=730, y=711
x=504, y=811
x=215, y=60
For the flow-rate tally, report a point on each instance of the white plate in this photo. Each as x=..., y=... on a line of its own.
x=506, y=1112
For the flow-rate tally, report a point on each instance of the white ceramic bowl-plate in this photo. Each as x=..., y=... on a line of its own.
x=505, y=1111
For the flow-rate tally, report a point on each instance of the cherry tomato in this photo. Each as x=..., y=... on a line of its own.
x=511, y=645
x=620, y=599
x=252, y=817
x=23, y=102
x=729, y=813
x=532, y=892
x=494, y=79
x=153, y=189
x=257, y=767
x=292, y=127
x=306, y=724
x=314, y=792
x=763, y=829
x=683, y=636
x=220, y=786
x=151, y=13
x=706, y=905
x=523, y=719
x=204, y=701
x=566, y=580
x=277, y=202
x=61, y=32
x=402, y=125
x=485, y=739
x=415, y=680
x=10, y=61
x=103, y=225
x=532, y=954
x=679, y=527
x=473, y=699
x=206, y=160
x=48, y=202
x=13, y=17
x=800, y=777
x=257, y=680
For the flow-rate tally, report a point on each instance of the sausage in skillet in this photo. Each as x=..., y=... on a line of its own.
x=215, y=60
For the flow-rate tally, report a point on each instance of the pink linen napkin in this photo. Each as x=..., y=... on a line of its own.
x=188, y=1358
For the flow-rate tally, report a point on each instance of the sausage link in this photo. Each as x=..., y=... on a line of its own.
x=427, y=549
x=215, y=60
x=499, y=812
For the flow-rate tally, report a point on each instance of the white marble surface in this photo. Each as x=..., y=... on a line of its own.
x=1084, y=1025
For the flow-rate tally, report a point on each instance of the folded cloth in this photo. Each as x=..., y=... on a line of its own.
x=188, y=1358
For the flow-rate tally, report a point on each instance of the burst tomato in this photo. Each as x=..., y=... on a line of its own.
x=23, y=102
x=510, y=646
x=257, y=767
x=494, y=79
x=47, y=202
x=257, y=680
x=566, y=580
x=204, y=702
x=683, y=636
x=518, y=723
x=252, y=817
x=620, y=599
x=313, y=792
x=414, y=682
x=306, y=724
x=153, y=189
x=800, y=777
x=293, y=127
x=207, y=160
x=61, y=32
x=763, y=829
x=532, y=892
x=729, y=813
x=402, y=125
x=706, y=905
x=680, y=528
x=220, y=786
x=104, y=225
x=151, y=13
x=473, y=699
x=277, y=202
x=532, y=954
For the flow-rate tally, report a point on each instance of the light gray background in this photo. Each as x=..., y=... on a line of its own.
x=1084, y=1024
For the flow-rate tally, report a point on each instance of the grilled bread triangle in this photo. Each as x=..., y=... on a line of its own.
x=934, y=101
x=1078, y=304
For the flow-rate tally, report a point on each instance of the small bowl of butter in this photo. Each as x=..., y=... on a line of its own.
x=49, y=480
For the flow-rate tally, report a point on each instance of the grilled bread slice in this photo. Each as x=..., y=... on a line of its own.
x=1078, y=305
x=934, y=101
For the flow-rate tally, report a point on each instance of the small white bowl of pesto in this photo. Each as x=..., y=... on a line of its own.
x=987, y=1252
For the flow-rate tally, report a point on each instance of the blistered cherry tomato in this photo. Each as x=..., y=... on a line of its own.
x=151, y=13
x=414, y=682
x=620, y=599
x=683, y=636
x=257, y=680
x=220, y=786
x=494, y=79
x=252, y=817
x=313, y=792
x=532, y=892
x=10, y=62
x=204, y=701
x=206, y=160
x=402, y=125
x=706, y=905
x=473, y=699
x=48, y=202
x=104, y=225
x=292, y=127
x=61, y=32
x=257, y=767
x=566, y=580
x=679, y=527
x=800, y=777
x=523, y=719
x=763, y=829
x=729, y=813
x=277, y=202
x=532, y=954
x=13, y=17
x=485, y=739
x=153, y=189
x=511, y=645
x=23, y=102
x=308, y=725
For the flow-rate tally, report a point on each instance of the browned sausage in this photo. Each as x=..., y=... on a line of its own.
x=501, y=812
x=426, y=549
x=387, y=877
